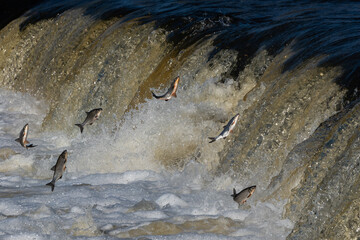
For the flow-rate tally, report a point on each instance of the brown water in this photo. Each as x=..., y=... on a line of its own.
x=297, y=138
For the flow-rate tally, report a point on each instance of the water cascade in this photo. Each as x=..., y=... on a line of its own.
x=146, y=167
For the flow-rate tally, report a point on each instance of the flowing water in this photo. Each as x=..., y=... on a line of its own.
x=146, y=169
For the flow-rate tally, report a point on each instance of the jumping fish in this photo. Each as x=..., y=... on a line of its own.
x=242, y=196
x=58, y=169
x=23, y=137
x=170, y=92
x=227, y=129
x=90, y=118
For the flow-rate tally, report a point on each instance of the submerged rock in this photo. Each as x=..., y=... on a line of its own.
x=5, y=153
x=143, y=205
x=325, y=204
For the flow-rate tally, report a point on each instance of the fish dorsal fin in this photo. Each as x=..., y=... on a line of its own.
x=87, y=113
x=174, y=94
x=53, y=168
x=224, y=126
x=17, y=140
x=234, y=192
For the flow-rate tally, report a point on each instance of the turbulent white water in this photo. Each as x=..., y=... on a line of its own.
x=146, y=169
x=123, y=181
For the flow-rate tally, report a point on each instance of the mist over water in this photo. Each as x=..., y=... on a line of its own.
x=146, y=168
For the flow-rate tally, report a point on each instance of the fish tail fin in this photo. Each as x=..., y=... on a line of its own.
x=234, y=192
x=52, y=185
x=212, y=139
x=31, y=146
x=81, y=127
x=154, y=95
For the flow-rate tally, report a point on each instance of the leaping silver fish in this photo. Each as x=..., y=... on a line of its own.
x=90, y=118
x=23, y=137
x=171, y=92
x=58, y=169
x=244, y=195
x=227, y=129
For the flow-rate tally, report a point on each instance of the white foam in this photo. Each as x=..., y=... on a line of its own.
x=17, y=109
x=17, y=163
x=151, y=214
x=10, y=208
x=170, y=199
x=236, y=214
x=42, y=212
x=192, y=236
x=105, y=204
x=107, y=227
x=122, y=178
x=24, y=236
x=147, y=158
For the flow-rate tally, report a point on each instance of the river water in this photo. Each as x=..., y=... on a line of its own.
x=145, y=169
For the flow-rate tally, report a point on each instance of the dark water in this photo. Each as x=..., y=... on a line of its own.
x=290, y=68
x=315, y=28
